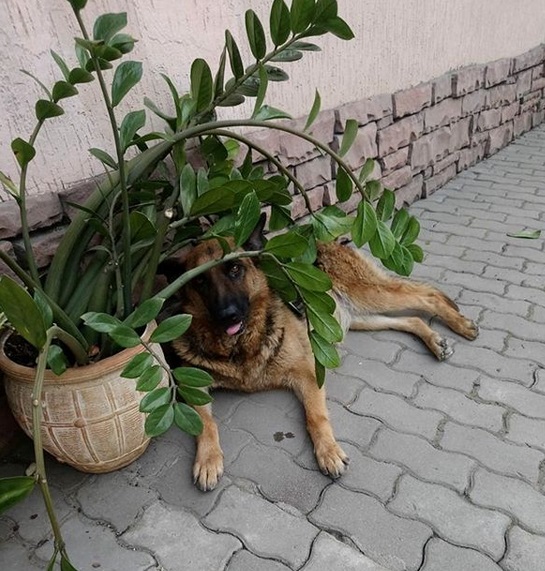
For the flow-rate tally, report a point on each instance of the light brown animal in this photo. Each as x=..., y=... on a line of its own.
x=249, y=340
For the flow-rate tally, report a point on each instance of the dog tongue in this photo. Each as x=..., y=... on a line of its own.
x=234, y=329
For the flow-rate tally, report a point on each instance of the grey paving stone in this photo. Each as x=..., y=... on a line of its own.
x=391, y=541
x=441, y=374
x=98, y=500
x=526, y=430
x=499, y=303
x=380, y=376
x=512, y=276
x=397, y=413
x=532, y=350
x=476, y=283
x=517, y=396
x=451, y=515
x=367, y=475
x=366, y=346
x=462, y=242
x=510, y=495
x=442, y=556
x=253, y=519
x=539, y=380
x=332, y=555
x=279, y=477
x=350, y=427
x=532, y=295
x=82, y=538
x=15, y=555
x=493, y=363
x=490, y=451
x=460, y=407
x=179, y=541
x=342, y=388
x=526, y=551
x=522, y=328
x=245, y=561
x=423, y=459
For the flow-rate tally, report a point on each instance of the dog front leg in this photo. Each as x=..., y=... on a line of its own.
x=208, y=465
x=331, y=458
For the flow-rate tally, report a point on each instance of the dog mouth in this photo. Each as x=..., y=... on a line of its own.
x=235, y=328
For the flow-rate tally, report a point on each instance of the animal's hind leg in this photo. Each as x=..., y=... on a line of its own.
x=400, y=295
x=437, y=345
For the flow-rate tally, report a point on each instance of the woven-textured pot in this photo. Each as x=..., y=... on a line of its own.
x=90, y=419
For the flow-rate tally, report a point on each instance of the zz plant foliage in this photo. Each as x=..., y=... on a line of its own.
x=152, y=201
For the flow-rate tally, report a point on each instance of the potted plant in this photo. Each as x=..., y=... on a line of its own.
x=96, y=304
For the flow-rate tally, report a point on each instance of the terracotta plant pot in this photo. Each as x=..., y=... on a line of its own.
x=91, y=419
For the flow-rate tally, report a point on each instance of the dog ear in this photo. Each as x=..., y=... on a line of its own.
x=171, y=268
x=256, y=241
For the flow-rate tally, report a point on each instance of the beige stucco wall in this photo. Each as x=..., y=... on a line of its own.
x=398, y=43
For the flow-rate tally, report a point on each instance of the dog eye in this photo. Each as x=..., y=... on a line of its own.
x=235, y=271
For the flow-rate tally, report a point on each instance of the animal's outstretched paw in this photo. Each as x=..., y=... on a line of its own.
x=441, y=348
x=332, y=460
x=207, y=471
x=471, y=330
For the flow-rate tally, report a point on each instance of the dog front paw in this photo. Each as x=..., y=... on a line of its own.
x=207, y=471
x=332, y=460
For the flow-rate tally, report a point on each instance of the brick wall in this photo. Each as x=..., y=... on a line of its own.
x=421, y=137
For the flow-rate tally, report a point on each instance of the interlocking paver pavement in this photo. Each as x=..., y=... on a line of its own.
x=448, y=459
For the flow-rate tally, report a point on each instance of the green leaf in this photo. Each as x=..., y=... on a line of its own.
x=266, y=113
x=338, y=27
x=321, y=301
x=141, y=227
x=400, y=223
x=188, y=188
x=286, y=56
x=386, y=205
x=288, y=245
x=262, y=90
x=306, y=46
x=98, y=63
x=383, y=242
x=528, y=234
x=324, y=324
x=247, y=218
x=325, y=10
x=171, y=328
x=65, y=564
x=14, y=490
x=416, y=252
x=280, y=218
x=256, y=35
x=150, y=378
x=308, y=276
x=325, y=352
x=107, y=25
x=78, y=4
x=319, y=371
x=83, y=56
x=40, y=83
x=301, y=12
x=235, y=60
x=276, y=73
x=365, y=225
x=194, y=396
x=126, y=76
x=159, y=420
x=408, y=262
x=411, y=233
x=80, y=75
x=63, y=89
x=366, y=170
x=278, y=280
x=47, y=109
x=331, y=223
x=279, y=22
x=44, y=307
x=192, y=377
x=154, y=109
x=125, y=336
x=147, y=311
x=343, y=185
x=131, y=123
x=104, y=158
x=350, y=133
x=24, y=152
x=22, y=312
x=202, y=88
x=56, y=360
x=155, y=399
x=220, y=74
x=62, y=65
x=123, y=42
x=313, y=111
x=101, y=322
x=187, y=419
x=232, y=100
x=137, y=365
x=107, y=53
x=373, y=189
x=9, y=185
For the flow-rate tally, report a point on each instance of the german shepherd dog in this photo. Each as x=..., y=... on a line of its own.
x=248, y=339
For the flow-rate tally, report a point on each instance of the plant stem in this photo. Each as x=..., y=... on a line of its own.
x=126, y=269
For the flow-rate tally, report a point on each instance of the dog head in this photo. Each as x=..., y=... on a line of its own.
x=221, y=297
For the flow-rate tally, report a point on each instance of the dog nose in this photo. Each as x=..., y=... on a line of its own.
x=230, y=314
